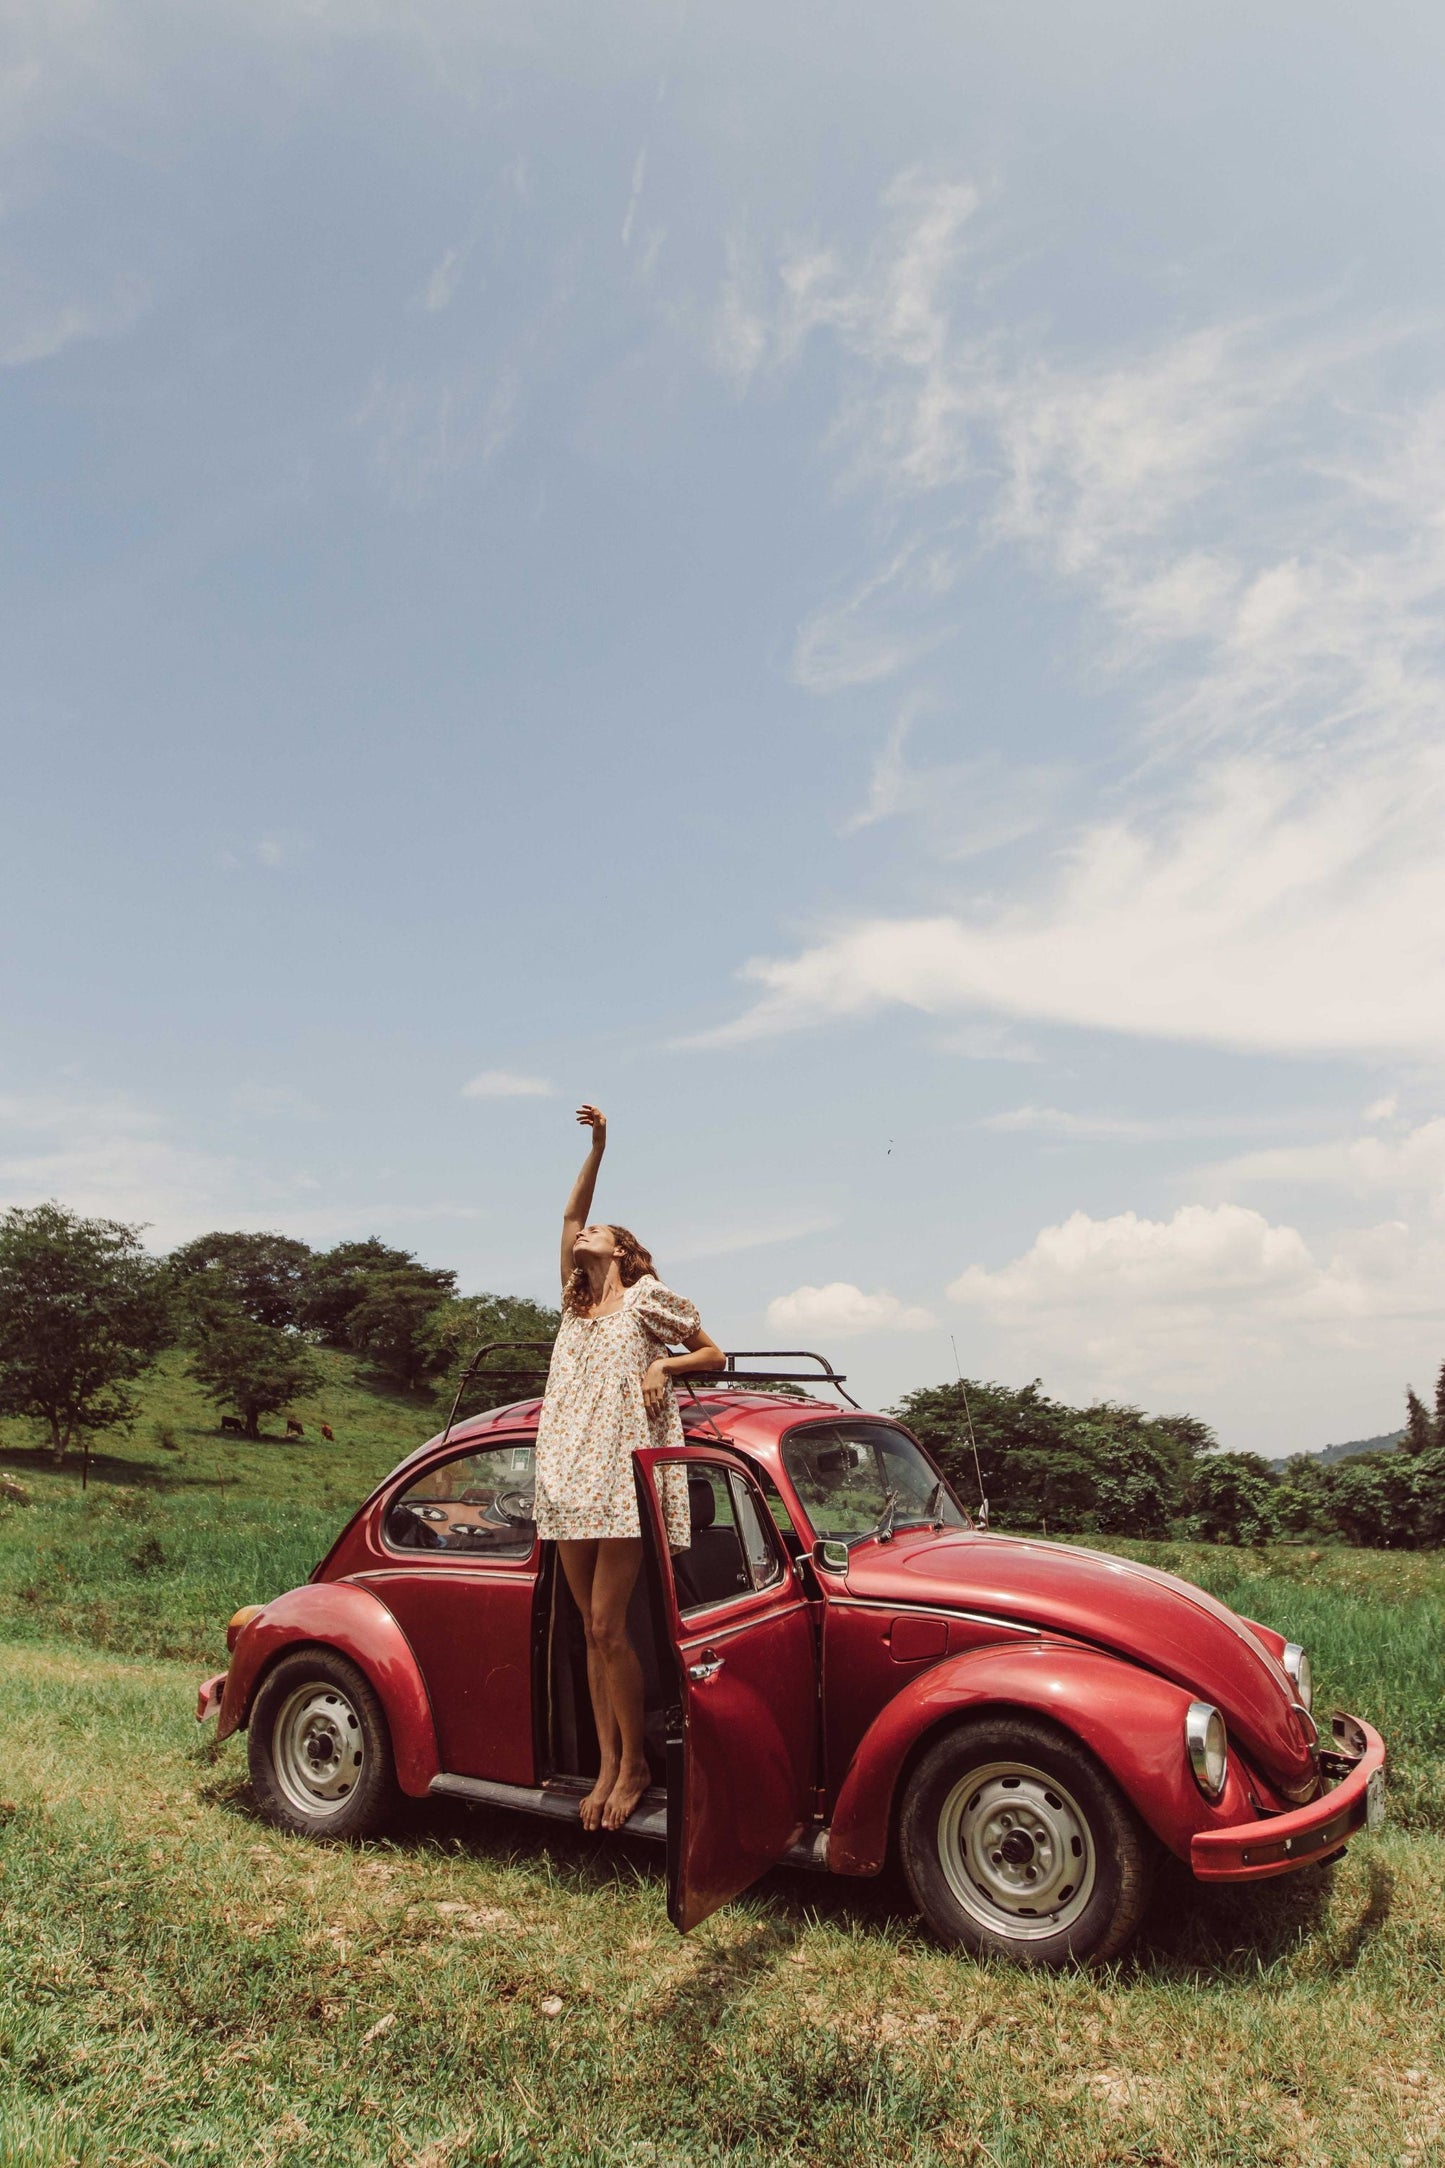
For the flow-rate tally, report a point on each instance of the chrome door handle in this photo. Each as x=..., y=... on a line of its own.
x=708, y=1667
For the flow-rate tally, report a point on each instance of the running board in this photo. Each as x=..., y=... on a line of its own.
x=563, y=1803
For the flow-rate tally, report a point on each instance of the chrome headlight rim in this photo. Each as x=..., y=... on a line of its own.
x=1207, y=1742
x=1300, y=1673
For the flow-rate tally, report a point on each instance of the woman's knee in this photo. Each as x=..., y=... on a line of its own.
x=608, y=1635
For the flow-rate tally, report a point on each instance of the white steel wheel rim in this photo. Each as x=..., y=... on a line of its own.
x=1016, y=1851
x=319, y=1749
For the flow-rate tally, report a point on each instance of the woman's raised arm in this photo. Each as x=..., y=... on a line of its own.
x=579, y=1204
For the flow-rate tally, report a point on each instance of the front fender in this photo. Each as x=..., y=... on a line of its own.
x=1130, y=1719
x=339, y=1615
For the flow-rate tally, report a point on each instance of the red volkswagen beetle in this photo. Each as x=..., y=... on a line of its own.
x=841, y=1660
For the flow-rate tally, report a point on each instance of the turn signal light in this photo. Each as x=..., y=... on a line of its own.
x=242, y=1619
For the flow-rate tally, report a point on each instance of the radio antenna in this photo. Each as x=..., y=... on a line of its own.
x=973, y=1441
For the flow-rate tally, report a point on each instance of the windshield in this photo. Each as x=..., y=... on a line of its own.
x=844, y=1473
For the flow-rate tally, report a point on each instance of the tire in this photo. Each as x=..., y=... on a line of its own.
x=1017, y=1843
x=319, y=1748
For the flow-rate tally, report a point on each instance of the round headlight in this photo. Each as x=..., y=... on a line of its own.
x=1208, y=1745
x=1297, y=1664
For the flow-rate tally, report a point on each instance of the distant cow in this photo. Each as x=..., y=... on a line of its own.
x=233, y=1422
x=328, y=1434
x=294, y=1429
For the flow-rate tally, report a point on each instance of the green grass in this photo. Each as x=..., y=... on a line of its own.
x=180, y=1983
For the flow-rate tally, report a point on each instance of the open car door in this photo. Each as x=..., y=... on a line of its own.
x=742, y=1730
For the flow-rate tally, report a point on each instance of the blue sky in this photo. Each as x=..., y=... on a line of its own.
x=863, y=587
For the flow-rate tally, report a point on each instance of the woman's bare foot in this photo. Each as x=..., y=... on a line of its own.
x=633, y=1779
x=598, y=1797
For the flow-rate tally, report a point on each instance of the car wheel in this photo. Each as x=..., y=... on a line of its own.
x=1017, y=1843
x=319, y=1748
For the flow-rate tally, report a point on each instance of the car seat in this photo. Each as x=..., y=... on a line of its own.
x=713, y=1566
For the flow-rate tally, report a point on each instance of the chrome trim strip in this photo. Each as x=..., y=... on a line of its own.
x=936, y=1610
x=695, y=1626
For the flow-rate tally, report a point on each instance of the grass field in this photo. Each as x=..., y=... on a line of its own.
x=180, y=1983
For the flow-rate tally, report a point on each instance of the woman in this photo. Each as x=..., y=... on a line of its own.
x=608, y=1392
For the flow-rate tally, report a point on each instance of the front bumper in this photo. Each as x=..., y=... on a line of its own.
x=1278, y=1843
x=208, y=1699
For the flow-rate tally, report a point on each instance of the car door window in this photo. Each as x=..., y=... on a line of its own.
x=759, y=1537
x=479, y=1502
x=733, y=1549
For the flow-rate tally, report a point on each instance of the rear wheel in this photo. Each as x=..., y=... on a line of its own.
x=1017, y=1843
x=319, y=1748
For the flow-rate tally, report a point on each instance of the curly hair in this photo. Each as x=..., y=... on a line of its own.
x=634, y=1263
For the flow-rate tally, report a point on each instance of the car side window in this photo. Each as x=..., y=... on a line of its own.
x=732, y=1551
x=479, y=1503
x=760, y=1542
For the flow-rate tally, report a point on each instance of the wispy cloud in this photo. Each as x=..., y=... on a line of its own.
x=634, y=198
x=726, y=1240
x=1253, y=533
x=1101, y=1128
x=34, y=328
x=506, y=1084
x=424, y=431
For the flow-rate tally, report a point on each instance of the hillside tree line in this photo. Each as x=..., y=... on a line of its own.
x=85, y=1310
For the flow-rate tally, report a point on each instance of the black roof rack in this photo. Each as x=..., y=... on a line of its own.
x=527, y=1375
x=771, y=1373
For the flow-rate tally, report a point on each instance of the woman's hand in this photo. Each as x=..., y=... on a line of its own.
x=594, y=1119
x=656, y=1385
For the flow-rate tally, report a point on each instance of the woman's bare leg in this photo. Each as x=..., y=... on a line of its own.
x=579, y=1564
x=619, y=1560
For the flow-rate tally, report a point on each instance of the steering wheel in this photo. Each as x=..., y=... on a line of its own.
x=513, y=1508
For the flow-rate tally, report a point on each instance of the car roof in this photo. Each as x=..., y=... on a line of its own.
x=752, y=1419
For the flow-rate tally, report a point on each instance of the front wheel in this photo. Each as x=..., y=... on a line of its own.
x=1017, y=1843
x=319, y=1748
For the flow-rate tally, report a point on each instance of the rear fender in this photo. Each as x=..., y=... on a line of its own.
x=339, y=1615
x=1130, y=1719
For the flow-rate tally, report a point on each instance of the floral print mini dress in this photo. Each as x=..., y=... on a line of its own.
x=594, y=1419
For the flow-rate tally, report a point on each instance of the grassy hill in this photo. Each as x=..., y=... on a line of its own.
x=181, y=1524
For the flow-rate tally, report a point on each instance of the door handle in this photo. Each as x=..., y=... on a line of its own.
x=707, y=1667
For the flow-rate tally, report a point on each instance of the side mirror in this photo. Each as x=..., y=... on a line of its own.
x=831, y=1555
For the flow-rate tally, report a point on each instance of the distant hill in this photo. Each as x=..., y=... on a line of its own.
x=1385, y=1443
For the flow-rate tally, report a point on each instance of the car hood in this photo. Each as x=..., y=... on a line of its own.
x=1135, y=1611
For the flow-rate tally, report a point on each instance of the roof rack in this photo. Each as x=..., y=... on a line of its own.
x=730, y=1374
x=526, y=1375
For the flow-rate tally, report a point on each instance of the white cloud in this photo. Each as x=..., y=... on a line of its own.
x=1206, y=1300
x=843, y=1309
x=965, y=807
x=505, y=1084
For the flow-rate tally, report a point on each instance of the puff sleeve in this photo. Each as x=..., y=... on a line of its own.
x=663, y=1314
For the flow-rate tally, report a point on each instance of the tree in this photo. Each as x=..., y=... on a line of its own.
x=335, y=1283
x=1419, y=1426
x=1231, y=1499
x=469, y=1321
x=1390, y=1501
x=82, y=1312
x=259, y=1275
x=255, y=1369
x=1107, y=1467
x=396, y=1325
